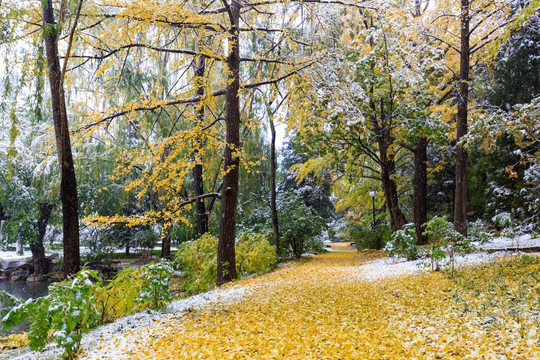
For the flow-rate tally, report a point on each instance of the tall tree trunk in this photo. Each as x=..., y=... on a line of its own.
x=273, y=197
x=460, y=200
x=226, y=264
x=2, y=217
x=166, y=245
x=68, y=183
x=202, y=215
x=388, y=169
x=420, y=190
x=37, y=248
x=390, y=194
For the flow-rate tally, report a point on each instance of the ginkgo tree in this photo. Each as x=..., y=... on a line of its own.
x=371, y=102
x=144, y=35
x=469, y=34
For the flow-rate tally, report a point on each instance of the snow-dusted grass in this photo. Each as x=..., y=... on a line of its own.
x=391, y=267
x=519, y=242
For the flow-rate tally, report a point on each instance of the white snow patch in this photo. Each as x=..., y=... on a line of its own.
x=13, y=255
x=519, y=242
x=389, y=267
x=386, y=267
x=217, y=296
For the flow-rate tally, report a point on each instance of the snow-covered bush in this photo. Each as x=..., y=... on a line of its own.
x=403, y=243
x=299, y=226
x=155, y=289
x=69, y=310
x=477, y=232
x=502, y=220
x=445, y=242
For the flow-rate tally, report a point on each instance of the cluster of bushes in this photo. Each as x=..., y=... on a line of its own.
x=197, y=260
x=300, y=225
x=83, y=301
x=444, y=242
x=367, y=237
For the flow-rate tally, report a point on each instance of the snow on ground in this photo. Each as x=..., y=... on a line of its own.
x=112, y=340
x=389, y=267
x=122, y=335
x=521, y=241
x=12, y=255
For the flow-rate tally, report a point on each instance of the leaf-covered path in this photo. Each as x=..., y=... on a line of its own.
x=327, y=308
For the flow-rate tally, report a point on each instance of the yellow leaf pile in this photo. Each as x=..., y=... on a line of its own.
x=323, y=309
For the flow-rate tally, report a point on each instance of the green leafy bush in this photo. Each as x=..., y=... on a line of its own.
x=299, y=224
x=367, y=237
x=119, y=297
x=502, y=220
x=197, y=260
x=198, y=264
x=477, y=232
x=69, y=310
x=254, y=254
x=444, y=242
x=403, y=243
x=155, y=289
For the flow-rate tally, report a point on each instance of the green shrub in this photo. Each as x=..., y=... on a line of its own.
x=403, y=243
x=477, y=232
x=254, y=254
x=444, y=242
x=155, y=289
x=119, y=297
x=502, y=220
x=69, y=310
x=366, y=237
x=197, y=261
x=299, y=225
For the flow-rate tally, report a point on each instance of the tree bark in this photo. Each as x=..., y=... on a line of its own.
x=2, y=217
x=273, y=196
x=38, y=250
x=68, y=183
x=226, y=265
x=200, y=208
x=390, y=194
x=388, y=169
x=166, y=245
x=420, y=190
x=460, y=200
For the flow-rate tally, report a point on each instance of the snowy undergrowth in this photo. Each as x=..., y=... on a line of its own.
x=122, y=335
x=388, y=267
